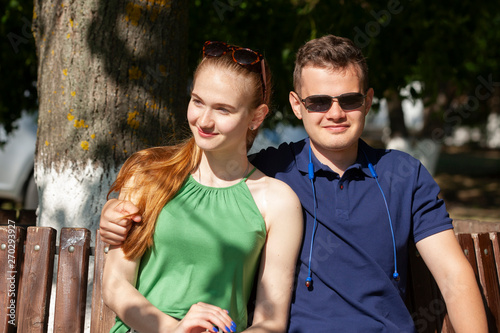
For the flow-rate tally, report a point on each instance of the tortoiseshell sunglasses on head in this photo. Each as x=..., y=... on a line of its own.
x=245, y=57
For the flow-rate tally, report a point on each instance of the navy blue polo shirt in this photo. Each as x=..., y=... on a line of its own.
x=352, y=258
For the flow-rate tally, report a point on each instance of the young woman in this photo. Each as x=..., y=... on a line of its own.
x=212, y=225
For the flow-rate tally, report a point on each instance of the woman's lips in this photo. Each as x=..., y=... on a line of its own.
x=204, y=134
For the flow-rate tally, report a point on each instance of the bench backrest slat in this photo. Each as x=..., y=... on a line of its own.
x=494, y=236
x=27, y=217
x=71, y=292
x=102, y=317
x=427, y=306
x=467, y=244
x=33, y=277
x=36, y=281
x=6, y=215
x=487, y=273
x=11, y=259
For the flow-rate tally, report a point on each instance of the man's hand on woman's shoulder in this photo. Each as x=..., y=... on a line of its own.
x=116, y=220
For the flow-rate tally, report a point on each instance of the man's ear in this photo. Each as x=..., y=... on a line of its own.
x=259, y=115
x=296, y=104
x=369, y=100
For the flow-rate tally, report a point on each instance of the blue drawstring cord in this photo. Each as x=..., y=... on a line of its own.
x=311, y=178
x=395, y=275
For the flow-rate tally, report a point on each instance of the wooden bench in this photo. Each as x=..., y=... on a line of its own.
x=27, y=262
x=27, y=259
x=24, y=217
x=424, y=300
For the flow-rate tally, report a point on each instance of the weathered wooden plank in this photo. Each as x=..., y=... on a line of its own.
x=488, y=277
x=27, y=218
x=495, y=242
x=36, y=282
x=11, y=258
x=427, y=307
x=72, y=273
x=6, y=215
x=102, y=317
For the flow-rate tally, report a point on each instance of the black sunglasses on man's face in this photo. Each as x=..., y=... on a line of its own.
x=323, y=103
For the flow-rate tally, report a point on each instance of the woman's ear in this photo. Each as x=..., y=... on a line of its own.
x=258, y=116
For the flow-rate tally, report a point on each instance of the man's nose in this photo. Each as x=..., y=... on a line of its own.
x=335, y=112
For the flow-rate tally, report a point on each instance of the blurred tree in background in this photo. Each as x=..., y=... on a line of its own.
x=451, y=48
x=17, y=61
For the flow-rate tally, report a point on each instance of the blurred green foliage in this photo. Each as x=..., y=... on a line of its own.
x=17, y=61
x=446, y=45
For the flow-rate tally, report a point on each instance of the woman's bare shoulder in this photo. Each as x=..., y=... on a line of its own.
x=272, y=196
x=271, y=184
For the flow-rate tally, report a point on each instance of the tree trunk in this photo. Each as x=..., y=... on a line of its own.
x=493, y=124
x=425, y=149
x=111, y=81
x=396, y=116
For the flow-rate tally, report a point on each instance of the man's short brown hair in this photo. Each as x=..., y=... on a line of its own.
x=331, y=52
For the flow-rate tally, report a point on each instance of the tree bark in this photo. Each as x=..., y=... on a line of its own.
x=111, y=81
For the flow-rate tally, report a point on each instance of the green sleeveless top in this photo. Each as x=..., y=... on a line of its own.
x=207, y=246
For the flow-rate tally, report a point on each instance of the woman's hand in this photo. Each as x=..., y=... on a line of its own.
x=203, y=317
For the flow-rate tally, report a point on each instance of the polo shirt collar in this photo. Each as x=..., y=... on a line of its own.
x=364, y=152
x=361, y=163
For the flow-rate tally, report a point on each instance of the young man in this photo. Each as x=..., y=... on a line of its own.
x=362, y=207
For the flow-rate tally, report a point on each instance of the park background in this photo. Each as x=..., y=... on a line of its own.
x=107, y=78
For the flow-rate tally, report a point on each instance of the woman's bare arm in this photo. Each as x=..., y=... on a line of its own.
x=279, y=258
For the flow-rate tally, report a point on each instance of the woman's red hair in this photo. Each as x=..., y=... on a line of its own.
x=154, y=176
